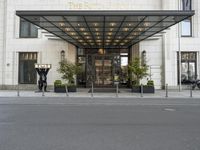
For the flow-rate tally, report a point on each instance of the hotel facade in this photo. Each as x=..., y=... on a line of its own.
x=102, y=36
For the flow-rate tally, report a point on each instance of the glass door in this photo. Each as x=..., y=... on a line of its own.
x=103, y=70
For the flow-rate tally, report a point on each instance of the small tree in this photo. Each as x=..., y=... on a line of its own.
x=68, y=71
x=137, y=70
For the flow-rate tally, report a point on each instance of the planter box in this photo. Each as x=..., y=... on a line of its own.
x=146, y=89
x=59, y=89
x=136, y=89
x=71, y=89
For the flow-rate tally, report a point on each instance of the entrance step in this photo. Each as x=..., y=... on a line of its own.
x=103, y=90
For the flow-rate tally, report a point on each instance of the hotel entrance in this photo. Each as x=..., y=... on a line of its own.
x=104, y=39
x=103, y=70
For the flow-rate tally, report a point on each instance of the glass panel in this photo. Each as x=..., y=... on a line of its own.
x=81, y=78
x=124, y=70
x=27, y=73
x=107, y=71
x=186, y=27
x=33, y=31
x=188, y=67
x=99, y=72
x=186, y=4
x=24, y=29
x=81, y=51
x=27, y=30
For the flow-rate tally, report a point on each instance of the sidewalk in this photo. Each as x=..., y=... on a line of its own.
x=124, y=93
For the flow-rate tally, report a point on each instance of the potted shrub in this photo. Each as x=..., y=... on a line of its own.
x=68, y=71
x=149, y=88
x=59, y=87
x=137, y=72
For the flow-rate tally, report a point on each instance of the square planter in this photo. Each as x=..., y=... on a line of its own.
x=146, y=89
x=136, y=89
x=71, y=88
x=59, y=89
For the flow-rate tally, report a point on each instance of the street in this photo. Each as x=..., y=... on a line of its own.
x=99, y=127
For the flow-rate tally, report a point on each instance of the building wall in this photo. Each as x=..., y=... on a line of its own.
x=1, y=38
x=163, y=49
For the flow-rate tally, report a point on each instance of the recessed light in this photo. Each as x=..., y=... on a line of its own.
x=108, y=40
x=61, y=24
x=79, y=24
x=82, y=29
x=140, y=29
x=85, y=33
x=67, y=29
x=129, y=24
x=87, y=37
x=126, y=29
x=146, y=24
x=95, y=24
x=112, y=24
x=73, y=33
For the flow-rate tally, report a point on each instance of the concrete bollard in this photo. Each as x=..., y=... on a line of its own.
x=191, y=94
x=18, y=92
x=66, y=89
x=141, y=93
x=92, y=90
x=166, y=89
x=43, y=91
x=117, y=89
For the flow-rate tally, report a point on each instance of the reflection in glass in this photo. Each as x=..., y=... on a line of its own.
x=27, y=73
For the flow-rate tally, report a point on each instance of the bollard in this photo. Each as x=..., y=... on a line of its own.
x=92, y=90
x=43, y=91
x=166, y=89
x=141, y=91
x=18, y=94
x=66, y=89
x=191, y=91
x=117, y=90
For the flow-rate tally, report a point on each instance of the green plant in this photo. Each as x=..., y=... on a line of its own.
x=137, y=70
x=150, y=83
x=58, y=83
x=68, y=71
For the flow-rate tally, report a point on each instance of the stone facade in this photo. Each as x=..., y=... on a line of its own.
x=161, y=51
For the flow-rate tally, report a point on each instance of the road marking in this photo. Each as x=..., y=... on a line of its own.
x=169, y=109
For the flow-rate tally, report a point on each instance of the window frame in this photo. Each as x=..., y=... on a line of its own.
x=19, y=60
x=29, y=30
x=191, y=28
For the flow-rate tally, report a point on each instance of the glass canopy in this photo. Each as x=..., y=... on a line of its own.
x=104, y=29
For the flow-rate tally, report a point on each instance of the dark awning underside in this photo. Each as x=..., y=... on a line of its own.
x=104, y=29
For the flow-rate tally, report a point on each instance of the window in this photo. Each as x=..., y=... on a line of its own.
x=27, y=30
x=186, y=24
x=186, y=4
x=187, y=27
x=188, y=67
x=27, y=73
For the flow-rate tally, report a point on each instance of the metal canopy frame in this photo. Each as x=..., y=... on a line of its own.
x=104, y=29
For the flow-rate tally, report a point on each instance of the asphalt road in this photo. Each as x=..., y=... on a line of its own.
x=99, y=127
